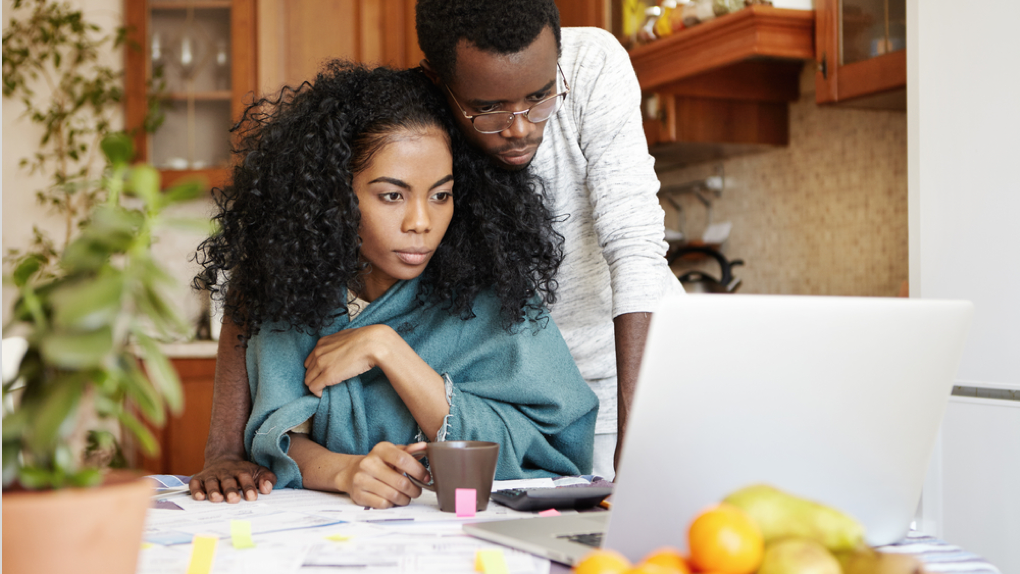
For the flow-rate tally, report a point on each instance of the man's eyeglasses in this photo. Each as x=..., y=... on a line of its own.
x=495, y=122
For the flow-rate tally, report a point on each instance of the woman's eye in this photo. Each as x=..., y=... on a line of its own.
x=487, y=109
x=443, y=196
x=390, y=197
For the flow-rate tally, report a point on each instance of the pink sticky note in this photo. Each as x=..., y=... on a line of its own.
x=467, y=500
x=549, y=512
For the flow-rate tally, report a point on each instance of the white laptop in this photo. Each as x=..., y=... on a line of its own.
x=836, y=399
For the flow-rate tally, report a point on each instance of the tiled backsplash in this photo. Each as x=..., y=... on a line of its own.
x=825, y=216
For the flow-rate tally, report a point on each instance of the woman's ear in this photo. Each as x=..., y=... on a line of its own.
x=429, y=72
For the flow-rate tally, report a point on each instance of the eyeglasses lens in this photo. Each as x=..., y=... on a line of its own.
x=497, y=122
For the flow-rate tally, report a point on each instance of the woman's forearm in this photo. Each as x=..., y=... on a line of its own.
x=420, y=387
x=320, y=468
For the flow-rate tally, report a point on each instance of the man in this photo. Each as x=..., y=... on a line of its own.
x=498, y=56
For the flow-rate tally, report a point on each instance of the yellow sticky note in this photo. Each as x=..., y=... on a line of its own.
x=203, y=548
x=338, y=538
x=240, y=534
x=147, y=545
x=490, y=562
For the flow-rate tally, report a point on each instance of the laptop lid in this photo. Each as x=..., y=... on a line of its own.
x=835, y=399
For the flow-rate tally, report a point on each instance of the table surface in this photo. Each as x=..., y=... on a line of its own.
x=308, y=532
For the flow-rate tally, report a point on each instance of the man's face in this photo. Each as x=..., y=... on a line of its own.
x=487, y=82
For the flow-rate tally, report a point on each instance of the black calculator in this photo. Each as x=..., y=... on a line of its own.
x=564, y=497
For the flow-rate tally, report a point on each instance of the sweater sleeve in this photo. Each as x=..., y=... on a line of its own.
x=620, y=176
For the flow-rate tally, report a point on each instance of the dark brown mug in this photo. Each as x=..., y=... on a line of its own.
x=460, y=464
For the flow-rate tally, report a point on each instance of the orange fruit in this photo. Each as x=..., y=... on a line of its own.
x=724, y=539
x=650, y=568
x=602, y=562
x=669, y=558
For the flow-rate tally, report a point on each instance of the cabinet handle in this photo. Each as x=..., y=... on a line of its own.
x=823, y=66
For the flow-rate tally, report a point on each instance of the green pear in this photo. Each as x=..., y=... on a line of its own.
x=798, y=556
x=866, y=560
x=782, y=515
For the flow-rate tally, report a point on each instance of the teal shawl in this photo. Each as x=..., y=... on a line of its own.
x=520, y=389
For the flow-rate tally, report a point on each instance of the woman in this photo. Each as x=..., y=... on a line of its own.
x=385, y=303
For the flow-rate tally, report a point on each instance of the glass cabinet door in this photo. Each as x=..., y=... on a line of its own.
x=871, y=28
x=195, y=58
x=861, y=52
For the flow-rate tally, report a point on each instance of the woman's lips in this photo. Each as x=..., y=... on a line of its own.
x=413, y=257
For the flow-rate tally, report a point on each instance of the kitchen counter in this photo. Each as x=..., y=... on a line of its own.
x=190, y=350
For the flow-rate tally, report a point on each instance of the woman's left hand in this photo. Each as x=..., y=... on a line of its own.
x=345, y=354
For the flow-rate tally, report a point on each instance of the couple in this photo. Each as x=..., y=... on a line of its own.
x=596, y=171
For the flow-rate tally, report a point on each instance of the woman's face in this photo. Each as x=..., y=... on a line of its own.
x=406, y=200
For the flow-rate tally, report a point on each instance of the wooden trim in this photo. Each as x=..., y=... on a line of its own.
x=244, y=55
x=210, y=177
x=756, y=31
x=827, y=57
x=753, y=80
x=136, y=70
x=177, y=5
x=879, y=74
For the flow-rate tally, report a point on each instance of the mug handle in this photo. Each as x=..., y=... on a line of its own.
x=432, y=487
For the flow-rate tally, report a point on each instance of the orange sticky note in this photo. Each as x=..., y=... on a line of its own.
x=240, y=534
x=203, y=549
x=466, y=502
x=490, y=562
x=549, y=512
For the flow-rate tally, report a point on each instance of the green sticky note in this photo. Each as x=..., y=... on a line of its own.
x=490, y=562
x=203, y=548
x=240, y=534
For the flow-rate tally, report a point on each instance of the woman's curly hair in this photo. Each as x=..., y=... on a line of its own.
x=288, y=245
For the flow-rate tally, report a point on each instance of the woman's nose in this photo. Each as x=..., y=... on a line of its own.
x=416, y=218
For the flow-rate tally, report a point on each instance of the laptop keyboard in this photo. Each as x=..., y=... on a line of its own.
x=593, y=539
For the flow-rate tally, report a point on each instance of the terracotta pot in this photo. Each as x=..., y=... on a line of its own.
x=80, y=530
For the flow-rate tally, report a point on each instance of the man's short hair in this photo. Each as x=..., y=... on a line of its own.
x=499, y=26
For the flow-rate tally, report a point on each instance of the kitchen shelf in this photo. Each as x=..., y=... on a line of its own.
x=211, y=96
x=751, y=33
x=196, y=4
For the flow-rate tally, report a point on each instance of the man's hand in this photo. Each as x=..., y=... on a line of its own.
x=225, y=479
x=343, y=355
x=377, y=479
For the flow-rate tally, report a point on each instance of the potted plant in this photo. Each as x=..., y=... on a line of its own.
x=91, y=306
x=92, y=328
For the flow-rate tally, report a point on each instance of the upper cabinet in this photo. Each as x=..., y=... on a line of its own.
x=195, y=59
x=861, y=53
x=723, y=87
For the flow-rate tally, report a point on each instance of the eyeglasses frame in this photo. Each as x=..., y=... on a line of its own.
x=513, y=115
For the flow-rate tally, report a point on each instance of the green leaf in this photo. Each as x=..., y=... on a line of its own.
x=78, y=350
x=184, y=192
x=144, y=436
x=88, y=303
x=141, y=391
x=86, y=477
x=143, y=181
x=35, y=478
x=10, y=457
x=26, y=268
x=117, y=148
x=162, y=374
x=58, y=408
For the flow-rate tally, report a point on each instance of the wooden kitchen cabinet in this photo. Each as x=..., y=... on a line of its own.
x=182, y=439
x=723, y=88
x=861, y=53
x=204, y=51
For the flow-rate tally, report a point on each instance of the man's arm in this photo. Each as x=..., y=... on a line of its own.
x=631, y=330
x=227, y=471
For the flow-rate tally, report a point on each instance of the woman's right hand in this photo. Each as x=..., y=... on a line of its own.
x=377, y=479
